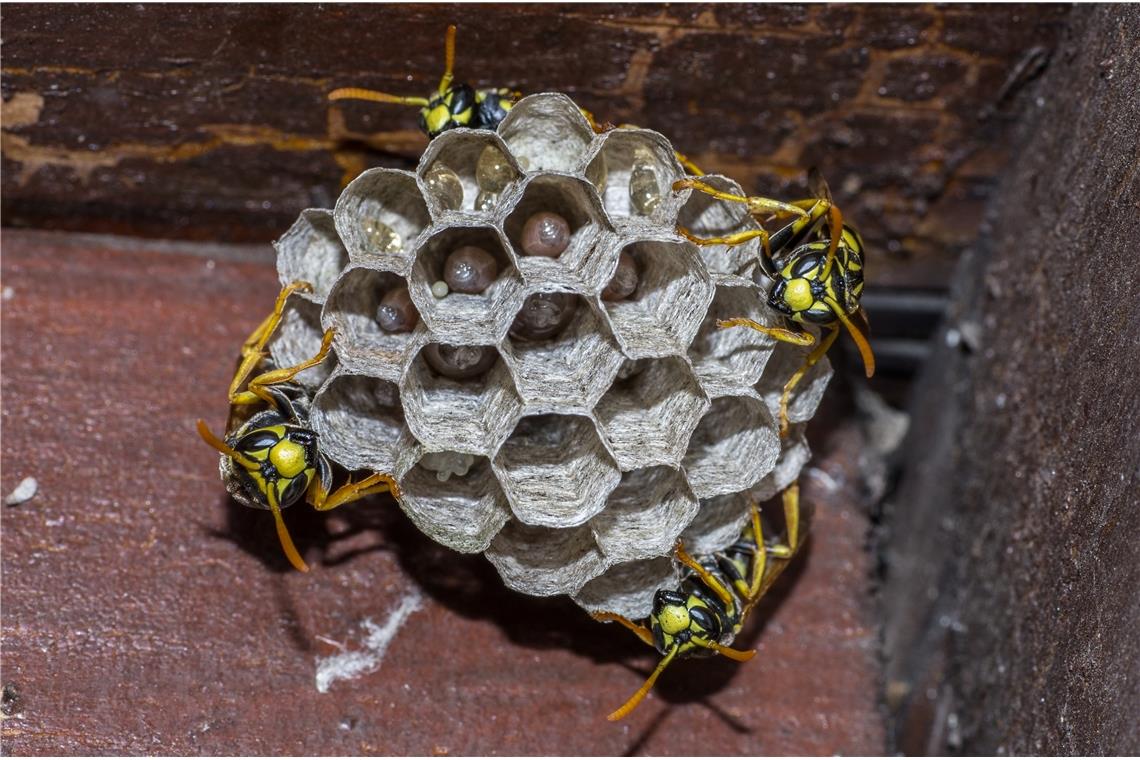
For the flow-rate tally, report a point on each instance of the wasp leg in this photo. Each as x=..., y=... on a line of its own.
x=813, y=357
x=792, y=514
x=708, y=578
x=736, y=238
x=779, y=333
x=757, y=205
x=253, y=349
x=640, y=631
x=761, y=560
x=257, y=386
x=377, y=482
x=688, y=164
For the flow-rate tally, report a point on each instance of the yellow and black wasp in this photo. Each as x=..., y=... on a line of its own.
x=716, y=595
x=272, y=460
x=452, y=105
x=815, y=263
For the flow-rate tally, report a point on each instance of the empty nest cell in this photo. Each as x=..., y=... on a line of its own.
x=555, y=471
x=311, y=251
x=571, y=368
x=361, y=424
x=786, y=361
x=648, y=416
x=707, y=217
x=732, y=359
x=628, y=588
x=547, y=132
x=645, y=514
x=298, y=339
x=545, y=561
x=735, y=444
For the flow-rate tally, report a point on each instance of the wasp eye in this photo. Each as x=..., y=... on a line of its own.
x=258, y=440
x=294, y=491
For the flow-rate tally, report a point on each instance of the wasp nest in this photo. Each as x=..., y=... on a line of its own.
x=526, y=344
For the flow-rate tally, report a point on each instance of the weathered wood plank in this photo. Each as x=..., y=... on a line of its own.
x=210, y=122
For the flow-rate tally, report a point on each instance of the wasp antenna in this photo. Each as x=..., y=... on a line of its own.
x=217, y=443
x=283, y=532
x=448, y=60
x=858, y=336
x=732, y=654
x=356, y=93
x=639, y=695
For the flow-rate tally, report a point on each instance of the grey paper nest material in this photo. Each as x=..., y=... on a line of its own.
x=574, y=462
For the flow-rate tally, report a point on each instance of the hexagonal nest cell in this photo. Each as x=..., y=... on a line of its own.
x=573, y=456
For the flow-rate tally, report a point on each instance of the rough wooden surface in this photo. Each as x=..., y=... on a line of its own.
x=144, y=613
x=1013, y=585
x=210, y=122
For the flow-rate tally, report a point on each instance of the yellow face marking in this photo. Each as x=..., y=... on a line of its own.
x=673, y=619
x=798, y=295
x=289, y=459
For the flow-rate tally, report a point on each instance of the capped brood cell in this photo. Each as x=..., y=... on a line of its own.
x=380, y=217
